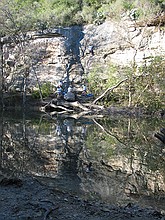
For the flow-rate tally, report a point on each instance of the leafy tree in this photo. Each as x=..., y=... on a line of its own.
x=15, y=18
x=15, y=21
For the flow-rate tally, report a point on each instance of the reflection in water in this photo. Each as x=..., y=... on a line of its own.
x=114, y=159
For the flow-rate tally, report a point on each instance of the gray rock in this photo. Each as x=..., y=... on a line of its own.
x=69, y=96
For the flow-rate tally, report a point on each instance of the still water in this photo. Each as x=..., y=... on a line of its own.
x=113, y=159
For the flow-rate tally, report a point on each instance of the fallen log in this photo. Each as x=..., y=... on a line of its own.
x=62, y=105
x=79, y=115
x=76, y=104
x=93, y=106
x=76, y=108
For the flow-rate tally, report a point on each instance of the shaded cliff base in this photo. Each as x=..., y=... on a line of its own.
x=14, y=103
x=27, y=198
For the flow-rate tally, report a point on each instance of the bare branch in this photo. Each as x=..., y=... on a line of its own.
x=107, y=132
x=109, y=89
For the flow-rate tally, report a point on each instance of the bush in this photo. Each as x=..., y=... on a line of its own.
x=46, y=90
x=69, y=12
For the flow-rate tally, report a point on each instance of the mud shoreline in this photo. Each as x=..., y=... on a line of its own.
x=28, y=198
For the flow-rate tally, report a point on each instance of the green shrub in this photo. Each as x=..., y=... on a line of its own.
x=144, y=87
x=69, y=12
x=46, y=90
x=89, y=14
x=128, y=5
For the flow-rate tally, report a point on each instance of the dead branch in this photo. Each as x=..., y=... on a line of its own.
x=109, y=89
x=142, y=92
x=56, y=112
x=76, y=104
x=63, y=107
x=86, y=107
x=79, y=115
x=93, y=106
x=60, y=107
x=107, y=132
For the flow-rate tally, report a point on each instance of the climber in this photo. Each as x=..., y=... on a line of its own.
x=60, y=84
x=70, y=96
x=59, y=92
x=84, y=92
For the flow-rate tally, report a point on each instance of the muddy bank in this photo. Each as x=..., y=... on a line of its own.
x=28, y=198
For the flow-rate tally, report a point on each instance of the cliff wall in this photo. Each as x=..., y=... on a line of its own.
x=63, y=53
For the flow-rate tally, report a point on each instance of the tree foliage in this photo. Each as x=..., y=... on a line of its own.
x=16, y=15
x=143, y=88
x=15, y=18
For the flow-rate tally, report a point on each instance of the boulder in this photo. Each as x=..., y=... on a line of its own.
x=70, y=96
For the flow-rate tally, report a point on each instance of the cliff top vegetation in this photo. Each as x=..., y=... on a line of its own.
x=18, y=16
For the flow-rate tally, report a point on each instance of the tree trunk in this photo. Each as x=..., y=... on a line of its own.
x=24, y=92
x=39, y=86
x=1, y=75
x=130, y=96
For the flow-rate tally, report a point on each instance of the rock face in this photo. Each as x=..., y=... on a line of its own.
x=65, y=53
x=123, y=42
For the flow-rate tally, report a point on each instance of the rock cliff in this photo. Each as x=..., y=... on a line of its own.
x=64, y=53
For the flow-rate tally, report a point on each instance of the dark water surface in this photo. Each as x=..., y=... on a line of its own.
x=113, y=159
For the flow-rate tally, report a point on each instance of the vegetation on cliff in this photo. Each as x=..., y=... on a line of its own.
x=140, y=86
x=18, y=16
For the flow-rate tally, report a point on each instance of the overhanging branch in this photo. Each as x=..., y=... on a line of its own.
x=109, y=89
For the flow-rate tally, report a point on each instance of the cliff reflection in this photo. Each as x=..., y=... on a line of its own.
x=113, y=159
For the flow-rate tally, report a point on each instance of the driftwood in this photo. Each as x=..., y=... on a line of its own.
x=63, y=106
x=76, y=104
x=80, y=114
x=76, y=108
x=60, y=107
x=93, y=106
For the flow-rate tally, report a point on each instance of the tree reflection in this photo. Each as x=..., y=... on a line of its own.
x=127, y=148
x=112, y=158
x=1, y=139
x=17, y=155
